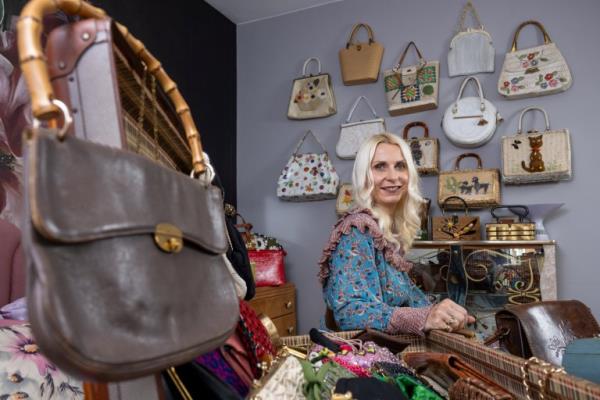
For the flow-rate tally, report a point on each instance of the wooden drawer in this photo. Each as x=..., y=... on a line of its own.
x=286, y=325
x=275, y=302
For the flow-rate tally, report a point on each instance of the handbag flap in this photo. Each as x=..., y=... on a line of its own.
x=533, y=59
x=377, y=122
x=129, y=193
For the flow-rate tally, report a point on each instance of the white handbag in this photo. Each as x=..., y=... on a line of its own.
x=352, y=134
x=536, y=157
x=536, y=71
x=470, y=121
x=471, y=49
x=312, y=95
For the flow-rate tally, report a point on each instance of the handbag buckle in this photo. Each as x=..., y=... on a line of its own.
x=168, y=238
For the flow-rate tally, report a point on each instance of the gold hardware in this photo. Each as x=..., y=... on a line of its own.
x=288, y=305
x=340, y=396
x=468, y=116
x=168, y=238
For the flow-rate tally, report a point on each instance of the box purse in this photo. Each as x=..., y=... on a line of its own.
x=414, y=88
x=352, y=134
x=345, y=199
x=425, y=150
x=360, y=62
x=471, y=49
x=508, y=229
x=479, y=187
x=455, y=227
x=535, y=71
x=312, y=95
x=470, y=121
x=536, y=157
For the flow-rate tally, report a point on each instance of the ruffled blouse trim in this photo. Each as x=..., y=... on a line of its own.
x=363, y=220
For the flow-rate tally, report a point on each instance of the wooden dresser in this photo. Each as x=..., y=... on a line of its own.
x=279, y=304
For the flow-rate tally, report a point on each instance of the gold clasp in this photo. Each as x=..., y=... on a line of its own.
x=168, y=238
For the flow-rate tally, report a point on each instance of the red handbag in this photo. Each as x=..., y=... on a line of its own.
x=269, y=268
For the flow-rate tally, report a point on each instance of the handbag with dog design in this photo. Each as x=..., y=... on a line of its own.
x=312, y=95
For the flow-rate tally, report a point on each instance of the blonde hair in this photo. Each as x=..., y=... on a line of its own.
x=402, y=227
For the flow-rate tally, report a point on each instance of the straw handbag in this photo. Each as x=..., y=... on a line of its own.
x=535, y=71
x=312, y=95
x=478, y=187
x=425, y=150
x=360, y=62
x=536, y=157
x=352, y=134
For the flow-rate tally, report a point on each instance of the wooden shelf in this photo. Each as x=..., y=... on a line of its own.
x=279, y=304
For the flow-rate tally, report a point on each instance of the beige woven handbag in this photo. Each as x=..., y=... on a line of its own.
x=536, y=157
x=478, y=187
x=360, y=62
x=425, y=150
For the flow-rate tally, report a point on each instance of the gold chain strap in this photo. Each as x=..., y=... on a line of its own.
x=525, y=376
x=142, y=110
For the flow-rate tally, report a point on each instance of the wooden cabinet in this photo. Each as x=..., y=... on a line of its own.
x=279, y=304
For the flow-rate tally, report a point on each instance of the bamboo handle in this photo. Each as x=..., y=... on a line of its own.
x=465, y=155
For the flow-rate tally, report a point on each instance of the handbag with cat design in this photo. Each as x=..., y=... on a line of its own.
x=536, y=156
x=312, y=95
x=352, y=134
x=425, y=150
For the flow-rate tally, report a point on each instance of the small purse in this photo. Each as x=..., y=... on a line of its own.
x=345, y=199
x=471, y=49
x=360, y=62
x=508, y=229
x=535, y=71
x=536, y=157
x=284, y=380
x=312, y=95
x=478, y=187
x=425, y=150
x=352, y=134
x=470, y=121
x=308, y=176
x=414, y=88
x=455, y=227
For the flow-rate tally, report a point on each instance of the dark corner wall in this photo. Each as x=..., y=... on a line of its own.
x=197, y=47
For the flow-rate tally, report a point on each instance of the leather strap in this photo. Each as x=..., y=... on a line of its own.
x=355, y=30
x=465, y=155
x=468, y=7
x=462, y=88
x=547, y=39
x=443, y=205
x=358, y=99
x=307, y=62
x=411, y=125
x=526, y=110
x=422, y=61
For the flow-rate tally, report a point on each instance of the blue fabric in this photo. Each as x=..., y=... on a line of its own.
x=363, y=290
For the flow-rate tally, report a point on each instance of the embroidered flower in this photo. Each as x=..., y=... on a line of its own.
x=506, y=83
x=530, y=56
x=514, y=81
x=548, y=76
x=525, y=64
x=553, y=83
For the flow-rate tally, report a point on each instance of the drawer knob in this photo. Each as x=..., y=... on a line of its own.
x=288, y=305
x=290, y=329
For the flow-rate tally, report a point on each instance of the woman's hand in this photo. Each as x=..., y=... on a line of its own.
x=447, y=316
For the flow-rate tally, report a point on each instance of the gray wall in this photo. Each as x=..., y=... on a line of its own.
x=271, y=53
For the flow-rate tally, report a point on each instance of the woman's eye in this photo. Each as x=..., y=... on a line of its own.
x=380, y=166
x=401, y=166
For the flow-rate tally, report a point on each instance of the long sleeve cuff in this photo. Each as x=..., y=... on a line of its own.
x=408, y=320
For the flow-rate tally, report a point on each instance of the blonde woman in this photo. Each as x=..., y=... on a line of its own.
x=363, y=270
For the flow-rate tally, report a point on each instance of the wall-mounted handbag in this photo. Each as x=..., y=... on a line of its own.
x=536, y=157
x=352, y=134
x=471, y=49
x=425, y=150
x=509, y=229
x=535, y=71
x=312, y=95
x=470, y=121
x=455, y=227
x=360, y=62
x=345, y=199
x=308, y=176
x=414, y=88
x=479, y=187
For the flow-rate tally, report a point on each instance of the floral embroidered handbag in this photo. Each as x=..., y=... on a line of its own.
x=360, y=62
x=414, y=88
x=425, y=150
x=535, y=71
x=345, y=199
x=352, y=134
x=536, y=157
x=308, y=176
x=312, y=95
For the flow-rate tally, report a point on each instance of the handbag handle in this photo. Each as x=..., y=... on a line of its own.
x=307, y=62
x=422, y=61
x=35, y=69
x=521, y=214
x=547, y=39
x=526, y=110
x=462, y=88
x=411, y=125
x=468, y=7
x=465, y=155
x=355, y=30
x=358, y=99
x=308, y=132
x=443, y=205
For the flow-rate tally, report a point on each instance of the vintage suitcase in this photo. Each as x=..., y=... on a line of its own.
x=425, y=150
x=508, y=228
x=455, y=227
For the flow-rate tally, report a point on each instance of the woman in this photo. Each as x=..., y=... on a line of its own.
x=363, y=271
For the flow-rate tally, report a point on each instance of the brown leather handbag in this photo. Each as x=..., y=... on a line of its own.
x=125, y=258
x=455, y=227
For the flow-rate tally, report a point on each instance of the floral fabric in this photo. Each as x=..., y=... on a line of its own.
x=309, y=176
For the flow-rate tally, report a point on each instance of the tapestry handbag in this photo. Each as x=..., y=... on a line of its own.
x=535, y=71
x=104, y=252
x=455, y=227
x=414, y=88
x=352, y=134
x=360, y=61
x=425, y=150
x=536, y=157
x=470, y=121
x=345, y=199
x=308, y=176
x=312, y=95
x=471, y=49
x=507, y=228
x=478, y=187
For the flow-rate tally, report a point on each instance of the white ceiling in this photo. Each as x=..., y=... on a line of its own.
x=245, y=11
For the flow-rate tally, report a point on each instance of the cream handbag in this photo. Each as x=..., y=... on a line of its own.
x=425, y=150
x=471, y=49
x=536, y=157
x=536, y=71
x=470, y=121
x=360, y=62
x=345, y=199
x=312, y=95
x=352, y=134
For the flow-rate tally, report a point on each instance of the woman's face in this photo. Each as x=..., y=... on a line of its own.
x=390, y=176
